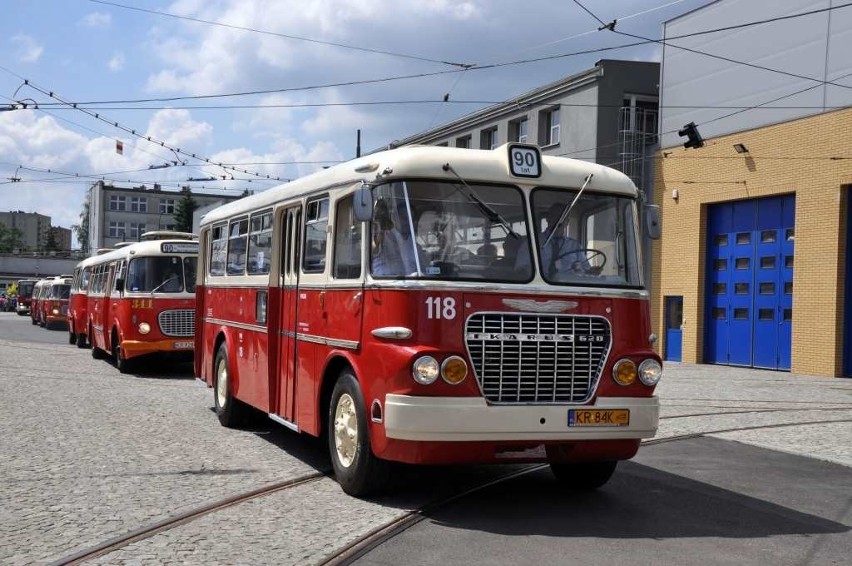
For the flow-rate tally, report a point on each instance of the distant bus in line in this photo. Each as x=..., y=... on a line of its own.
x=25, y=294
x=140, y=299
x=435, y=305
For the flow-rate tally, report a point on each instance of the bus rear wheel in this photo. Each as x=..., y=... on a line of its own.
x=231, y=411
x=72, y=336
x=81, y=341
x=358, y=471
x=583, y=476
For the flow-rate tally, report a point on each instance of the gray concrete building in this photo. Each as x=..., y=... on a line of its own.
x=606, y=114
x=119, y=214
x=34, y=227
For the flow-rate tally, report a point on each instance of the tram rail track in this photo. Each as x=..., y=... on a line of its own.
x=375, y=537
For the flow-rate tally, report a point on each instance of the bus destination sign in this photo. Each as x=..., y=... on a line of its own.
x=179, y=248
x=524, y=160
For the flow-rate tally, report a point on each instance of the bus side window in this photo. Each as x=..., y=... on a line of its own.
x=238, y=234
x=260, y=243
x=218, y=250
x=316, y=236
x=347, y=241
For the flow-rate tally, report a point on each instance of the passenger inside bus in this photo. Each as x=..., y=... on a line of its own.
x=390, y=254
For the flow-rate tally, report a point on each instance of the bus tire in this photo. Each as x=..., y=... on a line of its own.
x=33, y=321
x=583, y=476
x=97, y=353
x=72, y=336
x=358, y=471
x=229, y=410
x=121, y=363
x=81, y=341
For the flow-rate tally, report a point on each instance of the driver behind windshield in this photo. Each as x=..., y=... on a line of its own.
x=561, y=255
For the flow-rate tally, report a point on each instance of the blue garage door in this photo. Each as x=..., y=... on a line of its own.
x=750, y=282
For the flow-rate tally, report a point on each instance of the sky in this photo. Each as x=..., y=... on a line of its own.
x=271, y=89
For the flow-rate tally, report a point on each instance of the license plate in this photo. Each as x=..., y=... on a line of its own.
x=183, y=345
x=598, y=417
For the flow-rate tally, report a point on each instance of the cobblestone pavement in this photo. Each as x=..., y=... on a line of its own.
x=88, y=454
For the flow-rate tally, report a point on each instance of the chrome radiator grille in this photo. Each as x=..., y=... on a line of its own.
x=534, y=358
x=178, y=322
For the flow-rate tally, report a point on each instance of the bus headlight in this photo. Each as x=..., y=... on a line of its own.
x=650, y=372
x=454, y=370
x=425, y=370
x=55, y=312
x=624, y=372
x=144, y=328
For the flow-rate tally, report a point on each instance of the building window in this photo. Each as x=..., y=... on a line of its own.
x=167, y=206
x=463, y=142
x=138, y=204
x=488, y=138
x=518, y=130
x=117, y=230
x=136, y=230
x=550, y=127
x=117, y=203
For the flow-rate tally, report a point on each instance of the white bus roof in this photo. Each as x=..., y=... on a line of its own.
x=151, y=247
x=473, y=165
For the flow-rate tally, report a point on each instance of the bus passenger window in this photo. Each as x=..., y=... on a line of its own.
x=260, y=243
x=218, y=250
x=347, y=242
x=238, y=232
x=316, y=232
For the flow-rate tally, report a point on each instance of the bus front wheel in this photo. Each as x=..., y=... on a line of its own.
x=229, y=410
x=358, y=471
x=584, y=476
x=121, y=363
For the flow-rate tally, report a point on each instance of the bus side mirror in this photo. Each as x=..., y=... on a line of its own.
x=119, y=284
x=652, y=221
x=363, y=204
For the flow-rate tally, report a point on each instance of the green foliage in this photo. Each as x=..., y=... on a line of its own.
x=81, y=230
x=183, y=213
x=10, y=239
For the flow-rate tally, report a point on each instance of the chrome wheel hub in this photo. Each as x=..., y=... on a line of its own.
x=345, y=430
x=221, y=384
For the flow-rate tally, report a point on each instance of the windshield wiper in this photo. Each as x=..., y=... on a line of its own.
x=566, y=211
x=169, y=280
x=492, y=214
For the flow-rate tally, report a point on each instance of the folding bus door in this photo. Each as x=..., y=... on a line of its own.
x=285, y=373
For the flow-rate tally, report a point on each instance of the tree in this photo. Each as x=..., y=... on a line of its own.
x=52, y=243
x=11, y=239
x=183, y=212
x=81, y=230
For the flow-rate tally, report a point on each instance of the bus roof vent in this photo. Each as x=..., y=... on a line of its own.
x=168, y=235
x=122, y=245
x=101, y=251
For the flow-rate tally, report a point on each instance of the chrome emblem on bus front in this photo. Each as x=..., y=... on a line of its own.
x=532, y=305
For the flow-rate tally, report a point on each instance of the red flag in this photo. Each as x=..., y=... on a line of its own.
x=119, y=147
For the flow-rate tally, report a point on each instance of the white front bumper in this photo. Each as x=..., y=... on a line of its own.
x=472, y=419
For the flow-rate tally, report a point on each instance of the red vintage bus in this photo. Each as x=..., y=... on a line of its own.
x=36, y=304
x=78, y=314
x=53, y=305
x=141, y=299
x=437, y=305
x=25, y=296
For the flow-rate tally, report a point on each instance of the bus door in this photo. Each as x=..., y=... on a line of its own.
x=288, y=278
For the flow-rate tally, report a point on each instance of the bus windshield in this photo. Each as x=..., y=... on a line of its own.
x=161, y=274
x=587, y=240
x=25, y=288
x=60, y=291
x=450, y=231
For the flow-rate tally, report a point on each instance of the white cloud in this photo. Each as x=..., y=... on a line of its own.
x=96, y=20
x=27, y=50
x=116, y=62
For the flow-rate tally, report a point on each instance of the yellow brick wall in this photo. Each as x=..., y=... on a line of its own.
x=793, y=157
